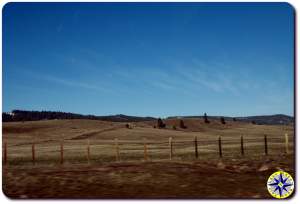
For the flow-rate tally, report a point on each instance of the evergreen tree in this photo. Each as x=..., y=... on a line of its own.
x=182, y=124
x=222, y=119
x=160, y=123
x=205, y=118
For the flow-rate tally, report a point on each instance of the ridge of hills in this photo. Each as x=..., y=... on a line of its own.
x=23, y=115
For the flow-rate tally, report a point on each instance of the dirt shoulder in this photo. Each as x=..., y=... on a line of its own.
x=162, y=179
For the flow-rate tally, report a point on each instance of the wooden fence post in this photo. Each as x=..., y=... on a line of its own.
x=88, y=151
x=117, y=149
x=242, y=145
x=220, y=147
x=61, y=153
x=33, y=153
x=145, y=150
x=196, y=147
x=171, y=147
x=286, y=143
x=266, y=144
x=5, y=153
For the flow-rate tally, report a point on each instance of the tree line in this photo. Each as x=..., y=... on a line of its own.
x=21, y=115
x=24, y=115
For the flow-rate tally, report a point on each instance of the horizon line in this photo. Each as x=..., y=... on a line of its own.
x=144, y=116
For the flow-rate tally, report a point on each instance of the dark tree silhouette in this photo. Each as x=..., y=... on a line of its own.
x=253, y=122
x=182, y=125
x=206, y=118
x=6, y=117
x=222, y=119
x=234, y=119
x=160, y=123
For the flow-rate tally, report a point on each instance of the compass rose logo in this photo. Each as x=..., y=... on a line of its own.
x=280, y=184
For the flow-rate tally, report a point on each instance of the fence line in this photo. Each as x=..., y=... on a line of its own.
x=220, y=147
x=88, y=151
x=242, y=146
x=5, y=153
x=196, y=147
x=170, y=146
x=33, y=153
x=266, y=144
x=117, y=149
x=286, y=143
x=61, y=153
x=145, y=150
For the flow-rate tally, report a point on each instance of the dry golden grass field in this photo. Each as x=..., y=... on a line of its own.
x=185, y=176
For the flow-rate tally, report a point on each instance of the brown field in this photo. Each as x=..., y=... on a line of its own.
x=208, y=176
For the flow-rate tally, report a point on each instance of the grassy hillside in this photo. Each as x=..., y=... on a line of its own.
x=47, y=135
x=132, y=177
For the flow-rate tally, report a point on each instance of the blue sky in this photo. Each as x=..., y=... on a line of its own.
x=149, y=59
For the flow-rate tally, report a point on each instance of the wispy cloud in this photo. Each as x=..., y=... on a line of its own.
x=217, y=77
x=199, y=78
x=163, y=85
x=75, y=84
x=178, y=79
x=96, y=87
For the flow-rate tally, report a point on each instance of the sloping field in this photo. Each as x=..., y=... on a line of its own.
x=185, y=176
x=75, y=134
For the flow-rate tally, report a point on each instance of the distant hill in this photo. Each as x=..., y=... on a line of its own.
x=23, y=115
x=125, y=118
x=278, y=119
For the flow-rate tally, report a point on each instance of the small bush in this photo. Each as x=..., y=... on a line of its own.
x=174, y=127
